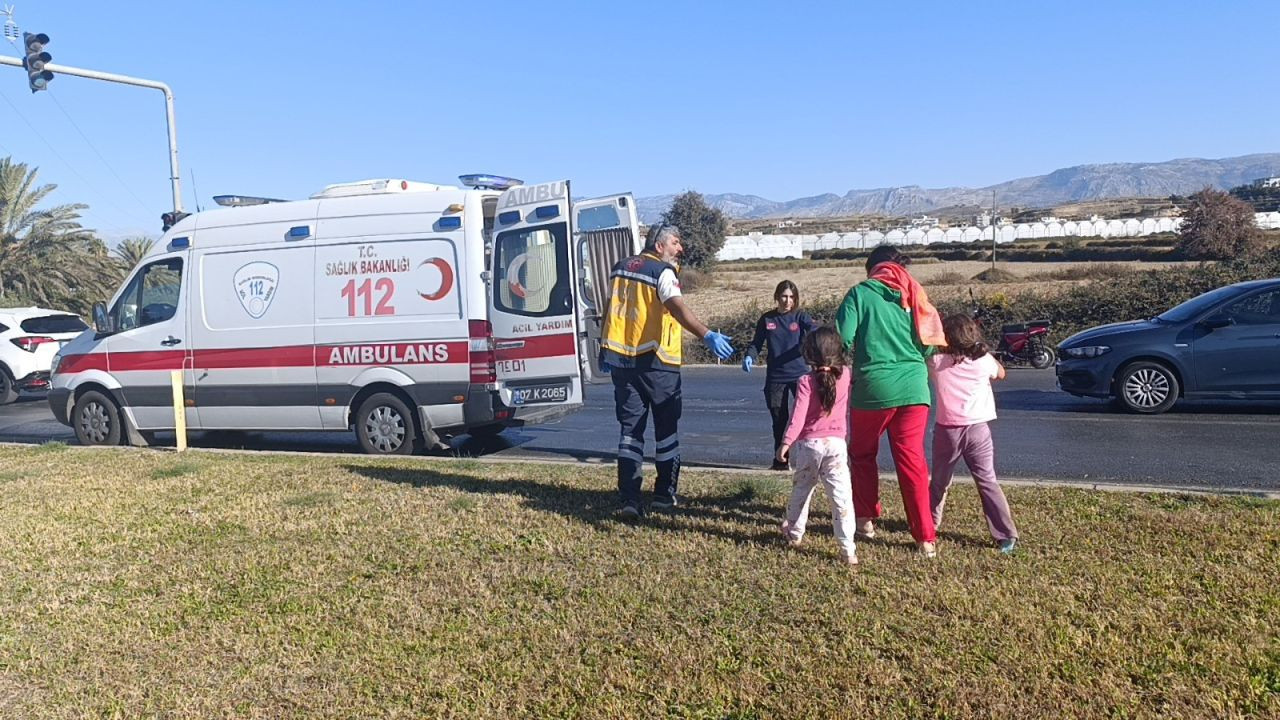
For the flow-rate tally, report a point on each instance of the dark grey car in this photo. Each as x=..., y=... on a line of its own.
x=1224, y=344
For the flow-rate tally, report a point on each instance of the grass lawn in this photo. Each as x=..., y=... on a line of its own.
x=145, y=584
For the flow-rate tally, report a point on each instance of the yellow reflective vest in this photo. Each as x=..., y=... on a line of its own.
x=638, y=331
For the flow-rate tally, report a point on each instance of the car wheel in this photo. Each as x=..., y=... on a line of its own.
x=1146, y=387
x=97, y=419
x=8, y=392
x=384, y=426
x=1043, y=357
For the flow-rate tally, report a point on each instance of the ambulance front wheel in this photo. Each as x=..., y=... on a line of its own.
x=96, y=419
x=384, y=426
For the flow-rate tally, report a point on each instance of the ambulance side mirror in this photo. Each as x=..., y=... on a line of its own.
x=101, y=320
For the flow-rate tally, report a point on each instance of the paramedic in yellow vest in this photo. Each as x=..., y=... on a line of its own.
x=640, y=342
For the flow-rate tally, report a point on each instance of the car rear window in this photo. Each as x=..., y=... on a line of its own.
x=53, y=324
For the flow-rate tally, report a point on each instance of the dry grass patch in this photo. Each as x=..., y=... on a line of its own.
x=996, y=275
x=271, y=586
x=949, y=278
x=1085, y=271
x=736, y=288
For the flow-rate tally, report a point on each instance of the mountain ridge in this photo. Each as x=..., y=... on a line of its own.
x=1180, y=176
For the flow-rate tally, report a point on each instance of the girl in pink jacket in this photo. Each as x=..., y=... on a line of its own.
x=815, y=441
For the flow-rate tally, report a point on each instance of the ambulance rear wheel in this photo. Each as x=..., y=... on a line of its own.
x=96, y=419
x=384, y=426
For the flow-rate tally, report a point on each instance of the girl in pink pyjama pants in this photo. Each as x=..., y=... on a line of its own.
x=962, y=375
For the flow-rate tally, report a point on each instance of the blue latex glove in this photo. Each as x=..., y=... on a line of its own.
x=718, y=344
x=747, y=362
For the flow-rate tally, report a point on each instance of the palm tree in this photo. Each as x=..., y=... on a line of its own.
x=131, y=250
x=46, y=256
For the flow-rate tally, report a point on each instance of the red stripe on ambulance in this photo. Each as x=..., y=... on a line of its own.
x=235, y=358
x=453, y=352
x=82, y=363
x=538, y=346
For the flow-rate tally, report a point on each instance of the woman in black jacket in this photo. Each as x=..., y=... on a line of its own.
x=782, y=330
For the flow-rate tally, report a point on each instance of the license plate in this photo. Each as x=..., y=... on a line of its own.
x=539, y=394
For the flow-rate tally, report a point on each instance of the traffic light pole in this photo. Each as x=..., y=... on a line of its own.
x=138, y=82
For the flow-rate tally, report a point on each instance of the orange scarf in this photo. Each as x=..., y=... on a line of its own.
x=927, y=320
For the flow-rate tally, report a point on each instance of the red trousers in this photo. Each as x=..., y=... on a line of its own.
x=906, y=427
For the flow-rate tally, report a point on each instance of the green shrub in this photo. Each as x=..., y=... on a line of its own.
x=1132, y=295
x=924, y=255
x=1089, y=254
x=1218, y=226
x=1013, y=253
x=702, y=229
x=1158, y=240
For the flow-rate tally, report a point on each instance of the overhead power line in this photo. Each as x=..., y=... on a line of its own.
x=93, y=188
x=94, y=148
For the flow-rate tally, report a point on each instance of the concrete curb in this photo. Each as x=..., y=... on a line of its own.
x=722, y=470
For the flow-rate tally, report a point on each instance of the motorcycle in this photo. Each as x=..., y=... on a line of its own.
x=1020, y=343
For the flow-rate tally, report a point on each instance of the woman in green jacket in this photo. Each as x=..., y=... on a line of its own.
x=878, y=323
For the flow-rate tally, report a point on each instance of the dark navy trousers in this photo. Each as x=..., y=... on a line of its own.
x=780, y=398
x=637, y=394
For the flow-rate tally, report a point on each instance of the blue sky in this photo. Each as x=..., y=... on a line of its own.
x=779, y=99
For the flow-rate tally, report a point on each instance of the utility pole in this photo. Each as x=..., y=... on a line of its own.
x=993, y=229
x=137, y=82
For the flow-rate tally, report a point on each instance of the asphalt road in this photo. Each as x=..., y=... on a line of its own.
x=1042, y=433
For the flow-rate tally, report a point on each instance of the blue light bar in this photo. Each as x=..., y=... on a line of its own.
x=299, y=231
x=180, y=243
x=509, y=217
x=481, y=181
x=449, y=223
x=547, y=211
x=243, y=200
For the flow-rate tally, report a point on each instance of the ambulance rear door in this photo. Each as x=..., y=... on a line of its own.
x=532, y=303
x=605, y=230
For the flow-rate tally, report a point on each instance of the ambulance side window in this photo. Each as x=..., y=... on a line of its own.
x=151, y=297
x=531, y=271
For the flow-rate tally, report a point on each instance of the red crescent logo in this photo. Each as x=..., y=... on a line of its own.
x=513, y=276
x=446, y=279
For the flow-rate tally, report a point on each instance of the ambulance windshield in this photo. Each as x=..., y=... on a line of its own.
x=152, y=295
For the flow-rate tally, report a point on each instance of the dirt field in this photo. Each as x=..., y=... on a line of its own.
x=731, y=290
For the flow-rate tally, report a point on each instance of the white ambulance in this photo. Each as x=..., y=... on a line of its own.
x=408, y=311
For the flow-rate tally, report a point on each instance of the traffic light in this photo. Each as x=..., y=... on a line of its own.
x=37, y=77
x=169, y=219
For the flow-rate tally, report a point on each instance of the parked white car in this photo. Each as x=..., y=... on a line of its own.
x=29, y=338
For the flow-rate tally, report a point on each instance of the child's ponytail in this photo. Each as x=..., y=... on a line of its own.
x=823, y=350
